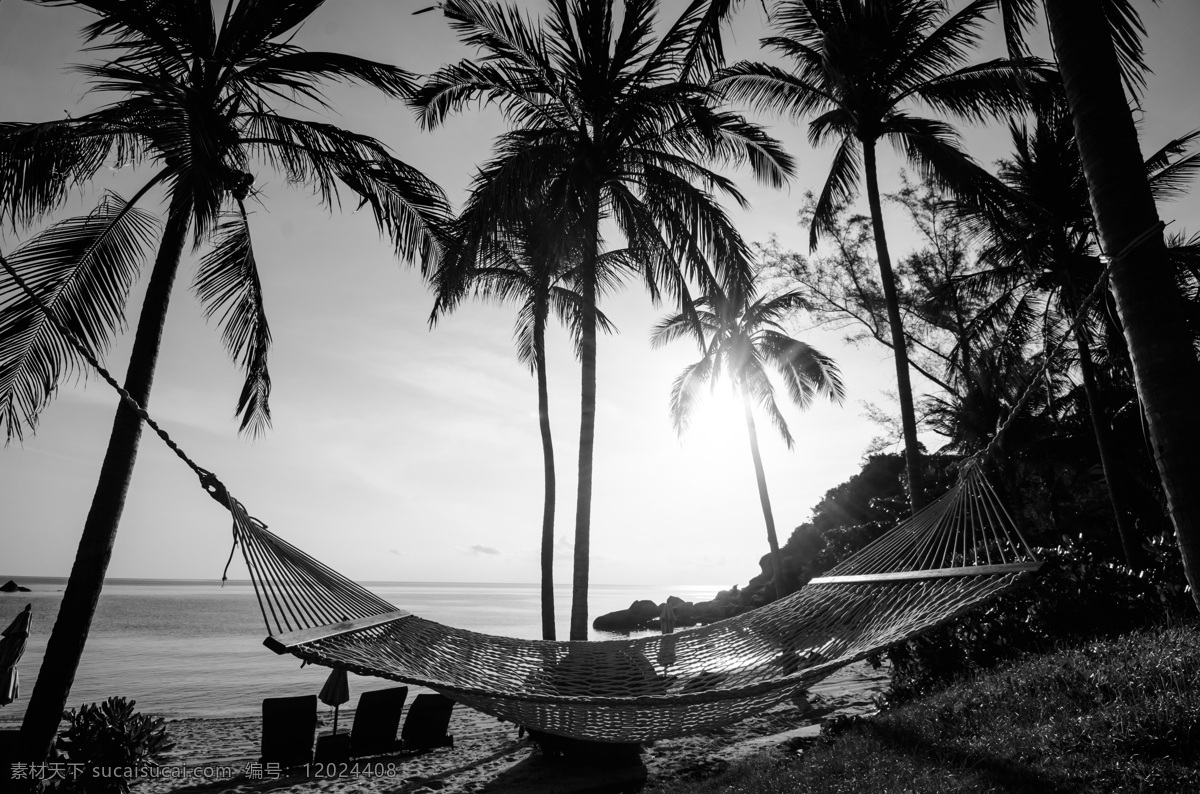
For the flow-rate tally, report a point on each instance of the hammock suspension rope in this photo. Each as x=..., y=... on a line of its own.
x=958, y=552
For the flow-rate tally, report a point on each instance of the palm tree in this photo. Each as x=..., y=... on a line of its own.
x=859, y=64
x=1098, y=50
x=194, y=103
x=611, y=125
x=515, y=263
x=1041, y=239
x=742, y=338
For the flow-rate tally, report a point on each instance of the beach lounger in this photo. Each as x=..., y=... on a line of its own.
x=426, y=723
x=289, y=729
x=376, y=720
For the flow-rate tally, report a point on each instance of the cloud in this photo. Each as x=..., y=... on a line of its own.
x=477, y=550
x=397, y=552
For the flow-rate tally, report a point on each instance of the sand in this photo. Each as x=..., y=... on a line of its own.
x=488, y=755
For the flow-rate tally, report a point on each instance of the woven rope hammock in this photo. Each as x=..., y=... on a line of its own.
x=957, y=553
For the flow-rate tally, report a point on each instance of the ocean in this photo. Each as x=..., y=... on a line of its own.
x=193, y=649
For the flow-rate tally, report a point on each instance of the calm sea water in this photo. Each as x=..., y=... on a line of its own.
x=194, y=649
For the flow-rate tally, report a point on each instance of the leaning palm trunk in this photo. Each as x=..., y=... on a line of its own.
x=765, y=499
x=70, y=633
x=908, y=414
x=1165, y=368
x=539, y=362
x=1108, y=456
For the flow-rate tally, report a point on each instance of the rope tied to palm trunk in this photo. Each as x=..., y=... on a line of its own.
x=209, y=481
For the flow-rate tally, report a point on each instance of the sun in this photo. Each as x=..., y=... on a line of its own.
x=716, y=433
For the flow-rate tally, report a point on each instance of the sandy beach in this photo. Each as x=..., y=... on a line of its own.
x=488, y=755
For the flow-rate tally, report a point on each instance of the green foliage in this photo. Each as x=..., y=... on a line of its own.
x=108, y=739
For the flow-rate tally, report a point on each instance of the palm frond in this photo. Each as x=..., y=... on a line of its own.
x=301, y=72
x=568, y=306
x=840, y=188
x=1125, y=27
x=805, y=370
x=228, y=286
x=986, y=90
x=931, y=56
x=173, y=34
x=251, y=23
x=687, y=389
x=404, y=202
x=935, y=149
x=682, y=324
x=1170, y=172
x=698, y=28
x=768, y=88
x=41, y=163
x=81, y=269
x=1017, y=17
x=757, y=385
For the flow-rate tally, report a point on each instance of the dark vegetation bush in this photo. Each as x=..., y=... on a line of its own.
x=1115, y=715
x=1084, y=591
x=109, y=741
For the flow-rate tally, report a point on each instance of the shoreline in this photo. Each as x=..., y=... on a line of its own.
x=488, y=755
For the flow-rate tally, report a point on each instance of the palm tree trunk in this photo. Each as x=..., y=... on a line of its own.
x=70, y=633
x=1108, y=455
x=539, y=362
x=1165, y=368
x=908, y=415
x=587, y=425
x=765, y=499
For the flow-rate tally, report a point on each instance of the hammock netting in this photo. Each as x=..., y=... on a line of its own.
x=957, y=553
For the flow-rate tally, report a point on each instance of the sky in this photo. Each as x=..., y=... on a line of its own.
x=400, y=453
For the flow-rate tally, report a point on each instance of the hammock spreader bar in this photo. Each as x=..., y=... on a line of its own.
x=933, y=573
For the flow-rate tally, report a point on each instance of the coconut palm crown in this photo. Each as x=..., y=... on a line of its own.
x=742, y=338
x=195, y=100
x=194, y=103
x=611, y=125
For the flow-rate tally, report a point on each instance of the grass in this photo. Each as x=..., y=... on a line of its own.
x=1120, y=715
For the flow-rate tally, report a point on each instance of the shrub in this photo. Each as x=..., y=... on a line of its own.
x=110, y=741
x=1079, y=595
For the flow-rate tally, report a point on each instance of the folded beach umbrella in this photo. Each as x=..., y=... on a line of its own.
x=666, y=648
x=335, y=692
x=11, y=647
x=666, y=618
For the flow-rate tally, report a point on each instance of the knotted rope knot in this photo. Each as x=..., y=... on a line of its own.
x=969, y=466
x=215, y=488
